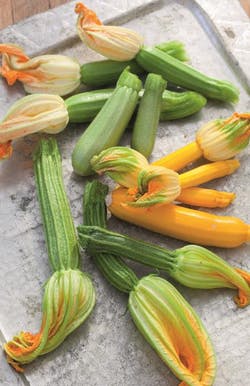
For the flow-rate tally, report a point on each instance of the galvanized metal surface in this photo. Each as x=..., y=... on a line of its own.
x=108, y=350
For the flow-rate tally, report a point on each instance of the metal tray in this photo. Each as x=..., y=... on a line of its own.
x=108, y=350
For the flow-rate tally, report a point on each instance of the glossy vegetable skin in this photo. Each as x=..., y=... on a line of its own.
x=106, y=72
x=181, y=74
x=108, y=126
x=85, y=106
x=182, y=223
x=148, y=114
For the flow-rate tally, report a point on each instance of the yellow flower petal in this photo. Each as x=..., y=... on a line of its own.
x=222, y=139
x=122, y=164
x=54, y=74
x=31, y=114
x=68, y=300
x=173, y=329
x=117, y=43
x=156, y=185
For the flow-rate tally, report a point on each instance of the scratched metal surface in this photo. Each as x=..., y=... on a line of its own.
x=108, y=350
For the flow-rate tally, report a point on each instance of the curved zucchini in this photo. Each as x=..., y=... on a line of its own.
x=154, y=60
x=85, y=106
x=106, y=72
x=176, y=105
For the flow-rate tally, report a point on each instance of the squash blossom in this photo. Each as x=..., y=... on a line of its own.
x=147, y=185
x=31, y=114
x=117, y=43
x=224, y=138
x=50, y=74
x=156, y=185
x=151, y=184
x=197, y=267
x=191, y=265
x=173, y=329
x=69, y=295
x=161, y=314
x=122, y=164
x=217, y=140
x=68, y=300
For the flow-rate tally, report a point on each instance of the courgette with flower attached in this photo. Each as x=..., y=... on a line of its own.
x=61, y=75
x=120, y=44
x=161, y=314
x=191, y=265
x=106, y=72
x=69, y=295
x=217, y=140
x=148, y=191
x=148, y=183
x=182, y=223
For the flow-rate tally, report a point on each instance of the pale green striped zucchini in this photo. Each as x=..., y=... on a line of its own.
x=85, y=106
x=109, y=124
x=181, y=74
x=147, y=118
x=106, y=72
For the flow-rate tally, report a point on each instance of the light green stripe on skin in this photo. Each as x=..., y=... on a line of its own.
x=113, y=268
x=63, y=248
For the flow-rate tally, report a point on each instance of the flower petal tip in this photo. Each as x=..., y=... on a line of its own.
x=6, y=150
x=79, y=8
x=16, y=366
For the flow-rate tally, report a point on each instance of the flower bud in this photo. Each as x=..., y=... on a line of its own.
x=31, y=114
x=54, y=74
x=197, y=267
x=122, y=164
x=156, y=185
x=222, y=139
x=117, y=43
x=173, y=329
x=68, y=300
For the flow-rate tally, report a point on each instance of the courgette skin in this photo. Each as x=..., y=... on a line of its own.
x=181, y=74
x=174, y=48
x=112, y=267
x=147, y=118
x=109, y=124
x=176, y=105
x=61, y=239
x=83, y=108
x=106, y=72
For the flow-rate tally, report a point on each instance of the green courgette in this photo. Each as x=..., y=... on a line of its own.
x=181, y=74
x=147, y=118
x=85, y=106
x=109, y=124
x=106, y=72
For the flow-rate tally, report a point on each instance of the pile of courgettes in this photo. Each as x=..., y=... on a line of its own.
x=111, y=110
